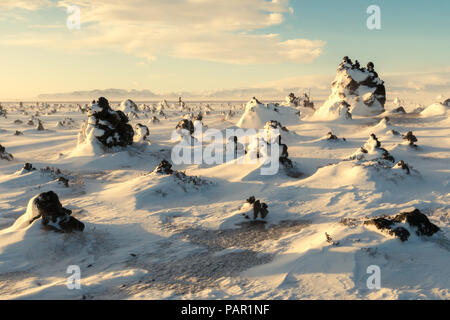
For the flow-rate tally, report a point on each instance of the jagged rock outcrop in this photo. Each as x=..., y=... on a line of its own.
x=106, y=126
x=358, y=89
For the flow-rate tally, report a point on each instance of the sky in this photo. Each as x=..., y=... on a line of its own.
x=222, y=47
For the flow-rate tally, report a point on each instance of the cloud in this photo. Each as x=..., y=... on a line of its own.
x=24, y=4
x=211, y=30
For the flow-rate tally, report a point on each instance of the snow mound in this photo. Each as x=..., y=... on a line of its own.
x=436, y=109
x=372, y=150
x=128, y=106
x=257, y=114
x=359, y=89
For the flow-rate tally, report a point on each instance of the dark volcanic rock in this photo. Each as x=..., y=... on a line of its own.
x=399, y=110
x=5, y=155
x=259, y=208
x=415, y=219
x=40, y=126
x=447, y=103
x=165, y=167
x=187, y=125
x=402, y=164
x=411, y=138
x=419, y=221
x=54, y=215
x=28, y=167
x=114, y=124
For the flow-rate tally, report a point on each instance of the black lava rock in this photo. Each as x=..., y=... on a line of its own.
x=165, y=167
x=399, y=110
x=419, y=221
x=411, y=138
x=54, y=216
x=28, y=167
x=5, y=155
x=415, y=219
x=187, y=125
x=117, y=131
x=259, y=208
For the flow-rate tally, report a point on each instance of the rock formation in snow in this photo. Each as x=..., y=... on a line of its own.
x=54, y=216
x=410, y=138
x=257, y=114
x=142, y=133
x=357, y=89
x=254, y=208
x=185, y=129
x=105, y=126
x=372, y=150
x=5, y=155
x=446, y=103
x=128, y=107
x=415, y=219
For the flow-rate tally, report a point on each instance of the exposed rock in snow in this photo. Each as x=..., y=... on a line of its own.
x=402, y=165
x=410, y=138
x=5, y=155
x=142, y=133
x=165, y=167
x=359, y=89
x=3, y=112
x=18, y=121
x=28, y=167
x=415, y=219
x=128, y=106
x=372, y=150
x=105, y=127
x=185, y=129
x=254, y=208
x=66, y=123
x=54, y=215
x=40, y=126
x=331, y=137
x=154, y=120
x=446, y=103
x=18, y=133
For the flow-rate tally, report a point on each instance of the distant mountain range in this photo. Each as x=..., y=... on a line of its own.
x=119, y=94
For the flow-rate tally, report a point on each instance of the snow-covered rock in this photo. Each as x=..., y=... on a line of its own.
x=105, y=128
x=359, y=89
x=257, y=114
x=47, y=207
x=436, y=109
x=5, y=155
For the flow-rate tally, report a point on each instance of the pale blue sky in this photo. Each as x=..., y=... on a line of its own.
x=112, y=49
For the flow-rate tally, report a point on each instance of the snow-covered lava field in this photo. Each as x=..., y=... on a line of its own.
x=187, y=232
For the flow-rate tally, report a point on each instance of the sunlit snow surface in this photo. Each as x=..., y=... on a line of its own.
x=151, y=236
